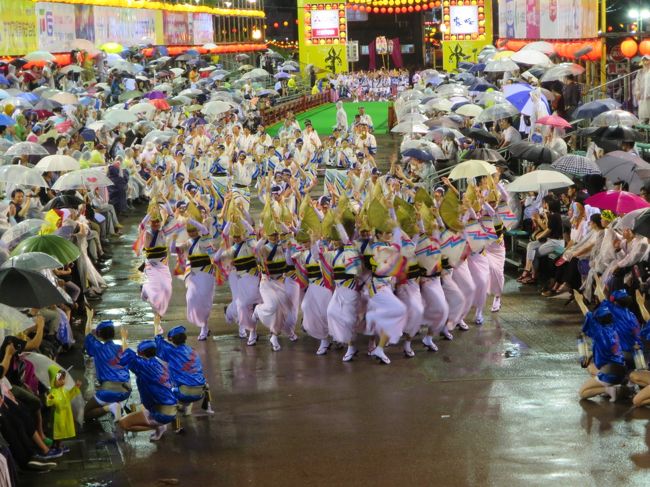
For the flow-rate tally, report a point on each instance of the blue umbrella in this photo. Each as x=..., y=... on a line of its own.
x=477, y=68
x=192, y=52
x=518, y=94
x=595, y=108
x=6, y=120
x=434, y=80
x=162, y=50
x=282, y=75
x=466, y=78
x=30, y=97
x=87, y=134
x=481, y=85
x=465, y=65
x=4, y=80
x=418, y=154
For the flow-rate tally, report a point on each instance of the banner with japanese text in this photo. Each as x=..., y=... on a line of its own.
x=202, y=28
x=548, y=19
x=125, y=26
x=176, y=28
x=56, y=26
x=18, y=33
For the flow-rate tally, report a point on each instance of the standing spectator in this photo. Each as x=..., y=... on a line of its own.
x=117, y=192
x=571, y=94
x=642, y=89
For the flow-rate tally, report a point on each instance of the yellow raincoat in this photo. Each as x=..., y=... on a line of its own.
x=59, y=399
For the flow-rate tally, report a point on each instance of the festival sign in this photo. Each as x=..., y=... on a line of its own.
x=124, y=25
x=176, y=28
x=202, y=28
x=17, y=27
x=467, y=29
x=322, y=35
x=548, y=19
x=84, y=26
x=56, y=26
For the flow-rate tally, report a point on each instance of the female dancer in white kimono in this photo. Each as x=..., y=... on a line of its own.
x=342, y=264
x=275, y=306
x=427, y=253
x=317, y=297
x=157, y=289
x=385, y=311
x=244, y=277
x=199, y=275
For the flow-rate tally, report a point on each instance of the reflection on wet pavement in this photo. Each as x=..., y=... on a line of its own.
x=496, y=406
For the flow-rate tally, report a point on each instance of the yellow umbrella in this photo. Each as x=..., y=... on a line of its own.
x=503, y=55
x=113, y=47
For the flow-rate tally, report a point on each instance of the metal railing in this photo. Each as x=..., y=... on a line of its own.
x=300, y=103
x=619, y=89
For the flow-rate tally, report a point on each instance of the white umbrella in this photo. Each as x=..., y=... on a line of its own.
x=16, y=102
x=561, y=71
x=120, y=116
x=615, y=117
x=57, y=162
x=413, y=117
x=441, y=105
x=102, y=86
x=210, y=45
x=71, y=68
x=163, y=87
x=191, y=92
x=13, y=321
x=84, y=45
x=469, y=110
x=217, y=107
x=497, y=112
x=101, y=124
x=83, y=178
x=26, y=149
x=541, y=46
x=423, y=144
x=143, y=107
x=450, y=90
x=177, y=71
x=65, y=98
x=27, y=176
x=472, y=169
x=411, y=95
x=256, y=73
x=40, y=56
x=540, y=179
x=410, y=128
x=500, y=66
x=160, y=135
x=32, y=261
x=531, y=58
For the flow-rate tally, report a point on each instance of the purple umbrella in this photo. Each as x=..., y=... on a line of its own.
x=282, y=75
x=155, y=95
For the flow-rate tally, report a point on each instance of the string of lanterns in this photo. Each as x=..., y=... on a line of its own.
x=392, y=6
x=283, y=44
x=629, y=48
x=564, y=49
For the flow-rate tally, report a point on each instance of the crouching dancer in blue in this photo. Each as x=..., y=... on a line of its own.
x=606, y=365
x=186, y=372
x=641, y=376
x=155, y=387
x=113, y=379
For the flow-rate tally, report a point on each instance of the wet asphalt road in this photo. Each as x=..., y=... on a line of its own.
x=496, y=406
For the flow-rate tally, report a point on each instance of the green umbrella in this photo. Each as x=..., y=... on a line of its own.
x=129, y=95
x=61, y=249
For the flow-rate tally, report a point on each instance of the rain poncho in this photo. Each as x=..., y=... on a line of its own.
x=59, y=399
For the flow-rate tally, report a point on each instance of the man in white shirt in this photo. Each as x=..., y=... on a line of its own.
x=509, y=134
x=365, y=118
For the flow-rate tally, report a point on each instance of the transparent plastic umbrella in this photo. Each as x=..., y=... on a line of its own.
x=497, y=112
x=32, y=261
x=532, y=58
x=500, y=66
x=26, y=149
x=13, y=321
x=83, y=178
x=541, y=46
x=22, y=176
x=21, y=231
x=120, y=116
x=217, y=107
x=615, y=117
x=561, y=71
x=410, y=128
x=413, y=117
x=57, y=162
x=452, y=90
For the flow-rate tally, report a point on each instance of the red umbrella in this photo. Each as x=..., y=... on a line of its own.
x=160, y=104
x=620, y=202
x=554, y=121
x=64, y=126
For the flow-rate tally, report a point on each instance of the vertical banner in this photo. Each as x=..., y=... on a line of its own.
x=18, y=33
x=56, y=26
x=84, y=25
x=323, y=35
x=176, y=28
x=469, y=29
x=532, y=19
x=202, y=28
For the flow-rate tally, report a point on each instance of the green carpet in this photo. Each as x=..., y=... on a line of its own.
x=323, y=118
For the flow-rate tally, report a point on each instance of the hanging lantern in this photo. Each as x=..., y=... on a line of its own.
x=410, y=8
x=644, y=47
x=629, y=48
x=375, y=10
x=383, y=10
x=418, y=8
x=390, y=10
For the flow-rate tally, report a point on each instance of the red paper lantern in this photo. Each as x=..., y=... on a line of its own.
x=418, y=8
x=390, y=10
x=629, y=48
x=383, y=10
x=644, y=47
x=276, y=25
x=410, y=8
x=432, y=5
x=375, y=10
x=355, y=6
x=425, y=6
